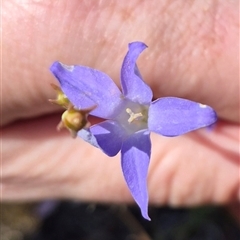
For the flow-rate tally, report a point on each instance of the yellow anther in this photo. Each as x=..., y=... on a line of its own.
x=133, y=116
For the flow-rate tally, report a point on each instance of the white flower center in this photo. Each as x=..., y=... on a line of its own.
x=133, y=116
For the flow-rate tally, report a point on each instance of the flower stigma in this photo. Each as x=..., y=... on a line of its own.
x=133, y=116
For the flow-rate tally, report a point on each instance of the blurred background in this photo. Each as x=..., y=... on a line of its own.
x=68, y=220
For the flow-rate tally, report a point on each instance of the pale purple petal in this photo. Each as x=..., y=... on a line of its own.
x=87, y=136
x=86, y=87
x=133, y=87
x=109, y=136
x=136, y=151
x=171, y=116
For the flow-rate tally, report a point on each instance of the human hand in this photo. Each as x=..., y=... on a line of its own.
x=192, y=54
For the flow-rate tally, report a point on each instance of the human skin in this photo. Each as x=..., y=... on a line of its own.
x=193, y=54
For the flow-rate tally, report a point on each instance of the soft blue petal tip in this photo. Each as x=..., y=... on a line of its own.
x=145, y=215
x=54, y=66
x=138, y=45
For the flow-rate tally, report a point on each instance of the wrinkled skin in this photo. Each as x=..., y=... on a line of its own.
x=193, y=53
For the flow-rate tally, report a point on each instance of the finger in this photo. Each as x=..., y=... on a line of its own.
x=197, y=168
x=191, y=55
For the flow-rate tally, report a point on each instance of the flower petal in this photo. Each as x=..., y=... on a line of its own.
x=173, y=116
x=87, y=136
x=135, y=158
x=86, y=87
x=133, y=87
x=107, y=135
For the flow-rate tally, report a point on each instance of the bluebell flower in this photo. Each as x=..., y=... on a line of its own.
x=130, y=116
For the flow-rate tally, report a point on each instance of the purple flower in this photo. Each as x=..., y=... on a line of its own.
x=130, y=116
